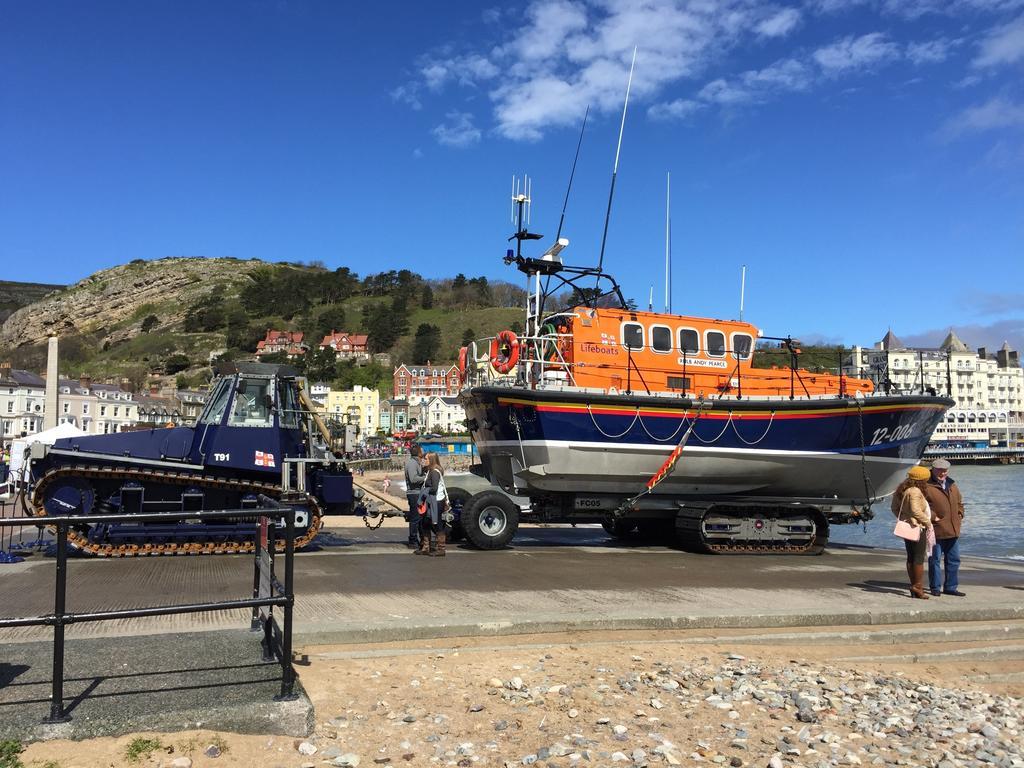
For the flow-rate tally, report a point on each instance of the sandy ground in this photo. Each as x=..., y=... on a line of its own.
x=423, y=703
x=395, y=705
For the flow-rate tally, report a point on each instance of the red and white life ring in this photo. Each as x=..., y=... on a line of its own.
x=463, y=351
x=504, y=351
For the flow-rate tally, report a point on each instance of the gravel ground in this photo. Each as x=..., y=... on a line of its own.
x=608, y=702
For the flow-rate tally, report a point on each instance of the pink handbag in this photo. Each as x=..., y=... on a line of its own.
x=904, y=529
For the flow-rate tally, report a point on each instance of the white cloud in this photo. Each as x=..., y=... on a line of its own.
x=915, y=9
x=457, y=130
x=994, y=114
x=854, y=53
x=930, y=52
x=557, y=57
x=779, y=24
x=680, y=109
x=1003, y=45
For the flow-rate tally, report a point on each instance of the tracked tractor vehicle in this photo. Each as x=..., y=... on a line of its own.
x=258, y=435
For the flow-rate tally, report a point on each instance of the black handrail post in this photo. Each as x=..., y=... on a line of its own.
x=287, y=671
x=254, y=625
x=57, y=714
x=268, y=622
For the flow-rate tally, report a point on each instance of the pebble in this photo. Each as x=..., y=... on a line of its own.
x=178, y=762
x=212, y=751
x=307, y=748
x=348, y=760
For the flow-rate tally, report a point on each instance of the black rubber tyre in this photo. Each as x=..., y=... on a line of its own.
x=459, y=499
x=490, y=520
x=618, y=529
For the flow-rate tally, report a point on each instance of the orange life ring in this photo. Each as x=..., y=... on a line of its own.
x=462, y=364
x=504, y=351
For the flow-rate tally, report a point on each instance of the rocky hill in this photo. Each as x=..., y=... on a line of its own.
x=171, y=316
x=112, y=303
x=13, y=296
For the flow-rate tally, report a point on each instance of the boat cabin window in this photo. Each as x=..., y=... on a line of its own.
x=742, y=345
x=253, y=404
x=689, y=341
x=214, y=411
x=632, y=336
x=661, y=338
x=715, y=343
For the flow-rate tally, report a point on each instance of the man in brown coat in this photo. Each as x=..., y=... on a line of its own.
x=947, y=515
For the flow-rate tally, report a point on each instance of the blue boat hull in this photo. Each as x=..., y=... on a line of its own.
x=836, y=450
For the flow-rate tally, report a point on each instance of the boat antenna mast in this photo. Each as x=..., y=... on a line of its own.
x=615, y=168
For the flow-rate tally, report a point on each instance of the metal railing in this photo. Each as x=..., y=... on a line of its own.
x=268, y=591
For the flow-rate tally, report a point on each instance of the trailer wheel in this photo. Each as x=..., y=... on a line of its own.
x=490, y=520
x=459, y=499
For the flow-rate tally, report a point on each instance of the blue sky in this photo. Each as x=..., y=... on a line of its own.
x=864, y=159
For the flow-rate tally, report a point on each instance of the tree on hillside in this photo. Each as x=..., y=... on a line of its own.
x=149, y=323
x=372, y=375
x=244, y=337
x=480, y=291
x=175, y=363
x=207, y=314
x=427, y=298
x=426, y=343
x=319, y=364
x=330, y=320
x=381, y=330
x=468, y=336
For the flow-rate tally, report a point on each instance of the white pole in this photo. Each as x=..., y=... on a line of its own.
x=743, y=287
x=668, y=272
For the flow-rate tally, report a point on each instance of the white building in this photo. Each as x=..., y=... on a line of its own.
x=98, y=409
x=988, y=389
x=443, y=414
x=22, y=403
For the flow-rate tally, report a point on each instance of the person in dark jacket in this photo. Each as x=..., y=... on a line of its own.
x=414, y=476
x=435, y=521
x=947, y=516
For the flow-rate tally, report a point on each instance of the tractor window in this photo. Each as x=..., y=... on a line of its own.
x=214, y=411
x=253, y=404
x=288, y=398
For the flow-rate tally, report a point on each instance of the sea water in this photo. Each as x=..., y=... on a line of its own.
x=993, y=524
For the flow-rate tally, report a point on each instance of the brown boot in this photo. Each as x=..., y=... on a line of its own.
x=917, y=582
x=442, y=540
x=424, y=545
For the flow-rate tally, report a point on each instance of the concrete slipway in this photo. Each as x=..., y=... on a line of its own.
x=360, y=586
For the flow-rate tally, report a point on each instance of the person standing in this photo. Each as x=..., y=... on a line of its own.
x=909, y=505
x=434, y=526
x=414, y=476
x=947, y=515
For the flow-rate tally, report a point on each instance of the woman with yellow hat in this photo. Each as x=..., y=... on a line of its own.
x=909, y=505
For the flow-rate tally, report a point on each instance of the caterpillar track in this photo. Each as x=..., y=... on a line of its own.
x=207, y=541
